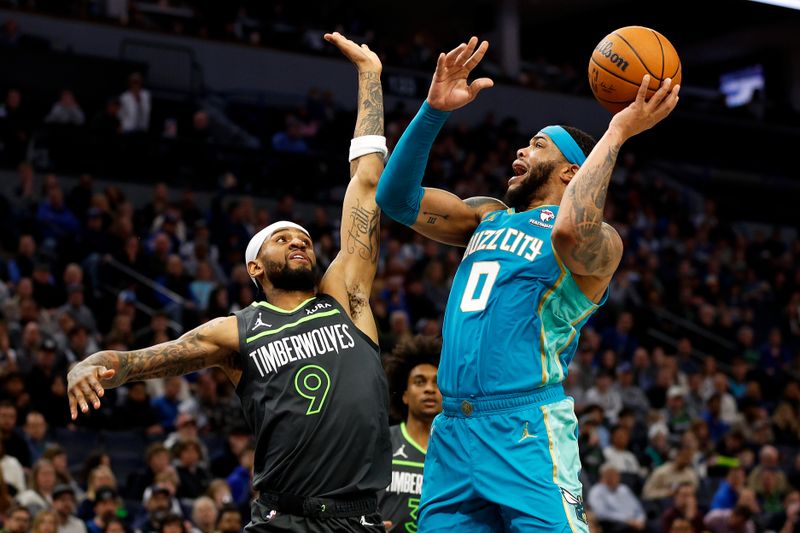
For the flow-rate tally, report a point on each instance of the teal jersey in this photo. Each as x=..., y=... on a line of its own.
x=514, y=310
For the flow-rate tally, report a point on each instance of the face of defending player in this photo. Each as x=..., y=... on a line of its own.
x=288, y=260
x=538, y=166
x=422, y=395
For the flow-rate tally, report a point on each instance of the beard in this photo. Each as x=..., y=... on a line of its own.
x=520, y=196
x=285, y=278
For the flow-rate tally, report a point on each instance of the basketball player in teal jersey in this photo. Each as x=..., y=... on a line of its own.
x=503, y=456
x=305, y=362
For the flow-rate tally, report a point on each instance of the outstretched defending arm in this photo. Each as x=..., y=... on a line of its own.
x=215, y=343
x=435, y=213
x=589, y=247
x=349, y=277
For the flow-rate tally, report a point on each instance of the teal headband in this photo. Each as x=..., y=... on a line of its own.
x=564, y=141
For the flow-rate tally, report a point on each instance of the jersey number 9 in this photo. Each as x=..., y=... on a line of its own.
x=312, y=382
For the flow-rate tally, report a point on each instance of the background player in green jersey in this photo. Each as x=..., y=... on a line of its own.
x=415, y=399
x=305, y=361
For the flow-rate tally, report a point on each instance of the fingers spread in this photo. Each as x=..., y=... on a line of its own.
x=89, y=394
x=478, y=85
x=466, y=52
x=475, y=58
x=453, y=54
x=96, y=387
x=79, y=401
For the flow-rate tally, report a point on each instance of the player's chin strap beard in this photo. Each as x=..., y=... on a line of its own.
x=520, y=197
x=284, y=278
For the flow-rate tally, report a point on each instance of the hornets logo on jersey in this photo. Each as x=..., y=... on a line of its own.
x=514, y=311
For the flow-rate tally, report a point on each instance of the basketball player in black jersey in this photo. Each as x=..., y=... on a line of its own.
x=415, y=399
x=305, y=361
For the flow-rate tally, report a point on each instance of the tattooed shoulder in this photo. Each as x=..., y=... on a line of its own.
x=484, y=204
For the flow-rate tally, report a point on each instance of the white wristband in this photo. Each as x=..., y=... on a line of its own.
x=368, y=144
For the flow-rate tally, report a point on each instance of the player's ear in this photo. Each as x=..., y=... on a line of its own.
x=255, y=269
x=569, y=172
x=405, y=397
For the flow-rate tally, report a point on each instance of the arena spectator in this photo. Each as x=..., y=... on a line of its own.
x=220, y=492
x=684, y=506
x=105, y=508
x=614, y=504
x=157, y=506
x=45, y=521
x=733, y=520
x=229, y=520
x=43, y=480
x=194, y=478
x=17, y=520
x=664, y=480
x=157, y=460
x=768, y=461
x=606, y=395
x=135, y=106
x=57, y=455
x=204, y=515
x=100, y=476
x=167, y=405
x=729, y=490
x=225, y=461
x=136, y=411
x=618, y=455
x=13, y=474
x=64, y=505
x=241, y=479
x=66, y=111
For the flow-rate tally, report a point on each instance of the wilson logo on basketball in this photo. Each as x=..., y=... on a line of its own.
x=606, y=49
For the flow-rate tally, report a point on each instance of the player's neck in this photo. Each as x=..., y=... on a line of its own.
x=288, y=300
x=419, y=430
x=547, y=198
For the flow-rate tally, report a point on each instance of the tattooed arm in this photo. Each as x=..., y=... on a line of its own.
x=349, y=277
x=215, y=343
x=589, y=247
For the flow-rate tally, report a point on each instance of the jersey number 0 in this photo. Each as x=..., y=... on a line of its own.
x=488, y=270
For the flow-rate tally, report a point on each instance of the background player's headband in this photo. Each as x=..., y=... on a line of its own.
x=564, y=141
x=258, y=239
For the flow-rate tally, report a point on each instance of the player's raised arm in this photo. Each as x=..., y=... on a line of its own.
x=590, y=248
x=435, y=213
x=349, y=278
x=214, y=343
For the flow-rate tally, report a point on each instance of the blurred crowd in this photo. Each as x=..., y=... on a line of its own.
x=289, y=26
x=686, y=384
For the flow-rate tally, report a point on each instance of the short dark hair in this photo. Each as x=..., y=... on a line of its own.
x=156, y=447
x=585, y=141
x=225, y=509
x=171, y=518
x=412, y=352
x=15, y=508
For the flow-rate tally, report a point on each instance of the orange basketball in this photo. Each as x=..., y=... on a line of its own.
x=623, y=57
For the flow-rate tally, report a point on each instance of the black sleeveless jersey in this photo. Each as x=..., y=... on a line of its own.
x=314, y=392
